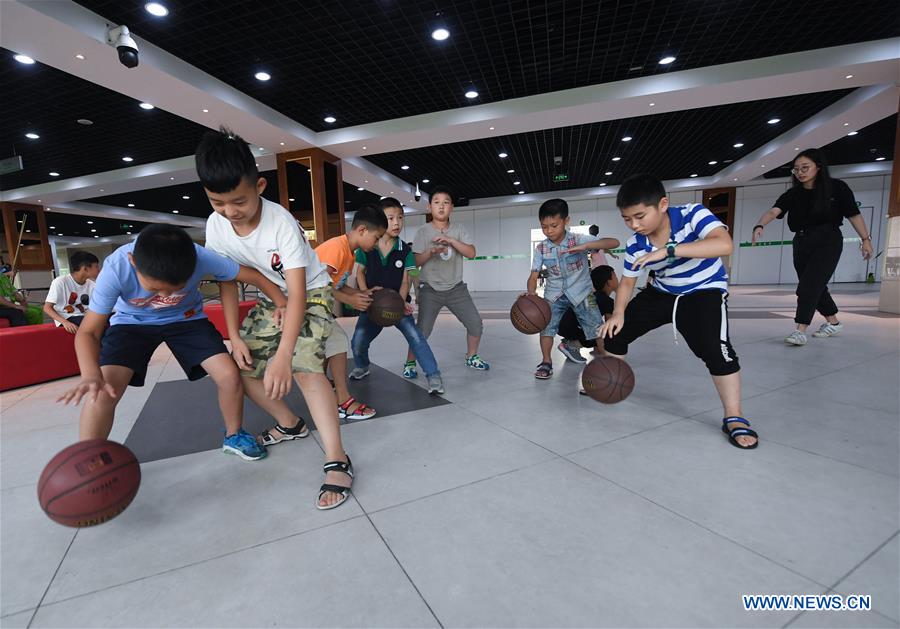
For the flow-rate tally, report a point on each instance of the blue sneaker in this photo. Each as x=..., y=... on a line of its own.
x=243, y=444
x=474, y=361
x=409, y=370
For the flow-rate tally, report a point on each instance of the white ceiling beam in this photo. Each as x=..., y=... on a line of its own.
x=80, y=208
x=863, y=107
x=867, y=63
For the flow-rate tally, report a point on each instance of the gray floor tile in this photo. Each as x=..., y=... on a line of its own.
x=408, y=456
x=196, y=507
x=339, y=576
x=878, y=577
x=817, y=515
x=16, y=621
x=553, y=545
x=798, y=417
x=32, y=547
x=842, y=620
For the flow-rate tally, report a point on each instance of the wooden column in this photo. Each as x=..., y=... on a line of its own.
x=889, y=295
x=34, y=249
x=321, y=189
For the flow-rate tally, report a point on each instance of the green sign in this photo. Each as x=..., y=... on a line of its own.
x=561, y=177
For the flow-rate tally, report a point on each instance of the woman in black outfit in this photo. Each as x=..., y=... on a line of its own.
x=816, y=206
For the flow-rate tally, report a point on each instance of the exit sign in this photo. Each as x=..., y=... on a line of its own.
x=561, y=177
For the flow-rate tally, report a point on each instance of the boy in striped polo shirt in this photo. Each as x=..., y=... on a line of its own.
x=682, y=245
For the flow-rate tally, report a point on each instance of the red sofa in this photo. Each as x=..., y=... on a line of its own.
x=217, y=316
x=35, y=353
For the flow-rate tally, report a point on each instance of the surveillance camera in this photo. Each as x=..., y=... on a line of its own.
x=418, y=194
x=120, y=37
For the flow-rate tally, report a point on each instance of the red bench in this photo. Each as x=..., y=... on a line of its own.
x=34, y=354
x=4, y=323
x=217, y=316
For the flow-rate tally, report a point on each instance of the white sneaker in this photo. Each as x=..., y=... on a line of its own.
x=828, y=329
x=796, y=338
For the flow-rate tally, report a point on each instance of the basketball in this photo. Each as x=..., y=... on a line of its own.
x=387, y=307
x=89, y=482
x=607, y=379
x=530, y=314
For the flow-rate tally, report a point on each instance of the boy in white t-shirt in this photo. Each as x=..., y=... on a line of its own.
x=69, y=295
x=264, y=236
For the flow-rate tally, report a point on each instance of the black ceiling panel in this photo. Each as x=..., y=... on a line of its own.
x=369, y=60
x=46, y=101
x=867, y=145
x=671, y=146
x=71, y=225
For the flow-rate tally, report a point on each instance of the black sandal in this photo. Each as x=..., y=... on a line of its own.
x=733, y=433
x=544, y=371
x=300, y=431
x=335, y=466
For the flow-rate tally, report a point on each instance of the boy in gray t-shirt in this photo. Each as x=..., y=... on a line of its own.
x=439, y=248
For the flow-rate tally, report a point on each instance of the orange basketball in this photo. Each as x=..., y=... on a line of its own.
x=89, y=482
x=607, y=379
x=530, y=314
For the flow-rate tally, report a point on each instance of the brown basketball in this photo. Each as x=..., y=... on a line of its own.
x=530, y=314
x=387, y=307
x=607, y=379
x=89, y=482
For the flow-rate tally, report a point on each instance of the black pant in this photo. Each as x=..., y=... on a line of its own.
x=817, y=252
x=701, y=317
x=571, y=330
x=15, y=316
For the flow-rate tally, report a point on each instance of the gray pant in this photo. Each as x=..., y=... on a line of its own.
x=458, y=301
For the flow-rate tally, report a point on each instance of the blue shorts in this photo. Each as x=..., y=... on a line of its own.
x=131, y=346
x=587, y=313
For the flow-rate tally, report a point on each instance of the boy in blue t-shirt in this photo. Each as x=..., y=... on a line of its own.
x=152, y=285
x=568, y=278
x=388, y=266
x=682, y=246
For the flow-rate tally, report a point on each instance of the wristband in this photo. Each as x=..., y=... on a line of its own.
x=670, y=251
x=869, y=238
x=758, y=225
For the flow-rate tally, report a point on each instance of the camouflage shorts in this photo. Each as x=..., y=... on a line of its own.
x=258, y=331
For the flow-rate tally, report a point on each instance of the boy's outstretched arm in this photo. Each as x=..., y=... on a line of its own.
x=616, y=320
x=715, y=244
x=87, y=348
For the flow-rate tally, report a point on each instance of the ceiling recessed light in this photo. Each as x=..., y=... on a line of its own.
x=516, y=183
x=259, y=148
x=616, y=159
x=365, y=181
x=206, y=111
x=404, y=167
x=511, y=171
x=762, y=165
x=608, y=173
x=24, y=59
x=155, y=8
x=93, y=230
x=96, y=236
x=53, y=227
x=330, y=119
x=879, y=159
x=146, y=106
x=32, y=136
x=131, y=205
x=360, y=188
x=365, y=147
x=185, y=197
x=603, y=184
x=627, y=138
x=853, y=133
x=849, y=76
x=440, y=34
x=471, y=94
x=774, y=120
x=666, y=60
x=502, y=155
x=738, y=145
x=653, y=104
x=291, y=199
x=846, y=124
x=171, y=178
x=694, y=175
x=713, y=163
x=127, y=159
x=85, y=122
x=426, y=181
x=174, y=211
x=53, y=173
x=102, y=190
x=521, y=192
x=129, y=233
x=80, y=57
x=796, y=148
x=262, y=76
x=735, y=178
x=282, y=143
x=490, y=128
x=90, y=222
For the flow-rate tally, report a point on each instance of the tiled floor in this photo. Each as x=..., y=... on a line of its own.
x=519, y=504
